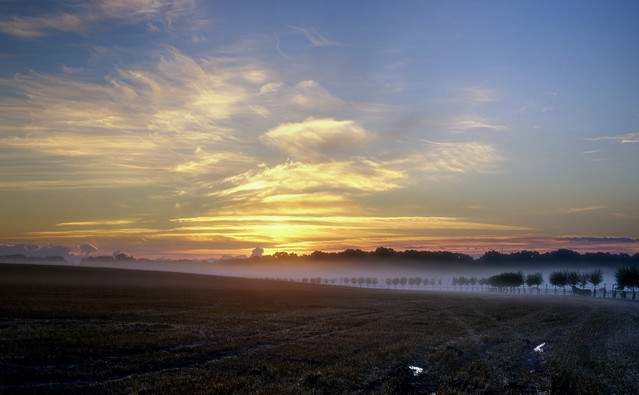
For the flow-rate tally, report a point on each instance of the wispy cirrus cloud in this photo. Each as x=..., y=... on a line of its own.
x=94, y=223
x=623, y=139
x=82, y=17
x=470, y=123
x=574, y=210
x=314, y=139
x=315, y=37
x=471, y=95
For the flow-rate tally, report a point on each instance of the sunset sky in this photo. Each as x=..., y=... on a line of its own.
x=198, y=129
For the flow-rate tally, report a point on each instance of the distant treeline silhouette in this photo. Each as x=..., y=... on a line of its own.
x=492, y=257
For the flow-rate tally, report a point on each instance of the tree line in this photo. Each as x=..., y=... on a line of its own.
x=492, y=257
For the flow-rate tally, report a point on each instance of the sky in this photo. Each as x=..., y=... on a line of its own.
x=198, y=129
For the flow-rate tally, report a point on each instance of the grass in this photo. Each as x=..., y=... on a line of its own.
x=81, y=330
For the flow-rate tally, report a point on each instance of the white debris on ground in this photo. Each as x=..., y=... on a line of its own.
x=539, y=348
x=416, y=370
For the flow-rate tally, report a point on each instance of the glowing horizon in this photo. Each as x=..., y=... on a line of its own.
x=182, y=128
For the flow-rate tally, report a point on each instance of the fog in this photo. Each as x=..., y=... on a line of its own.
x=334, y=272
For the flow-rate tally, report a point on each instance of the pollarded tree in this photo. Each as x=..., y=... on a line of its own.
x=403, y=281
x=506, y=280
x=534, y=279
x=388, y=282
x=559, y=278
x=596, y=277
x=418, y=281
x=584, y=278
x=455, y=281
x=573, y=278
x=627, y=277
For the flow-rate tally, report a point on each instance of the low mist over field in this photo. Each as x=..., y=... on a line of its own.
x=439, y=270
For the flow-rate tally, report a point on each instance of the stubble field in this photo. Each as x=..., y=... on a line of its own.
x=87, y=330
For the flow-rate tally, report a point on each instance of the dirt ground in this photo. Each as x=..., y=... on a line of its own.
x=87, y=330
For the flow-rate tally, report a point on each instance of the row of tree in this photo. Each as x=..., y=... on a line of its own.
x=561, y=278
x=492, y=257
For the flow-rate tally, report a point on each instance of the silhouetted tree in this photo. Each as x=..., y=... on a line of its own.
x=533, y=279
x=403, y=281
x=573, y=278
x=418, y=281
x=559, y=278
x=507, y=280
x=627, y=277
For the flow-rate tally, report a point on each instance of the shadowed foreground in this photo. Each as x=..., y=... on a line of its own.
x=66, y=329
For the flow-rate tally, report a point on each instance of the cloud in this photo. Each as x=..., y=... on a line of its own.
x=573, y=210
x=442, y=158
x=300, y=233
x=600, y=240
x=141, y=125
x=626, y=138
x=295, y=177
x=94, y=223
x=82, y=17
x=304, y=97
x=39, y=26
x=315, y=37
x=87, y=249
x=34, y=250
x=476, y=94
x=471, y=95
x=469, y=123
x=314, y=139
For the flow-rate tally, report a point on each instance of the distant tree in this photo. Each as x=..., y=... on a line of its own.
x=369, y=281
x=534, y=279
x=596, y=277
x=395, y=281
x=346, y=280
x=281, y=255
x=403, y=281
x=375, y=281
x=388, y=282
x=411, y=282
x=584, y=278
x=573, y=278
x=354, y=280
x=507, y=280
x=418, y=281
x=627, y=277
x=473, y=281
x=559, y=278
x=361, y=280
x=432, y=282
x=383, y=252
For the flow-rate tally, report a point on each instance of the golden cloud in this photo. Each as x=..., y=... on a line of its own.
x=314, y=139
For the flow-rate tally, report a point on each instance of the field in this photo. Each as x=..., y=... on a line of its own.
x=87, y=330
